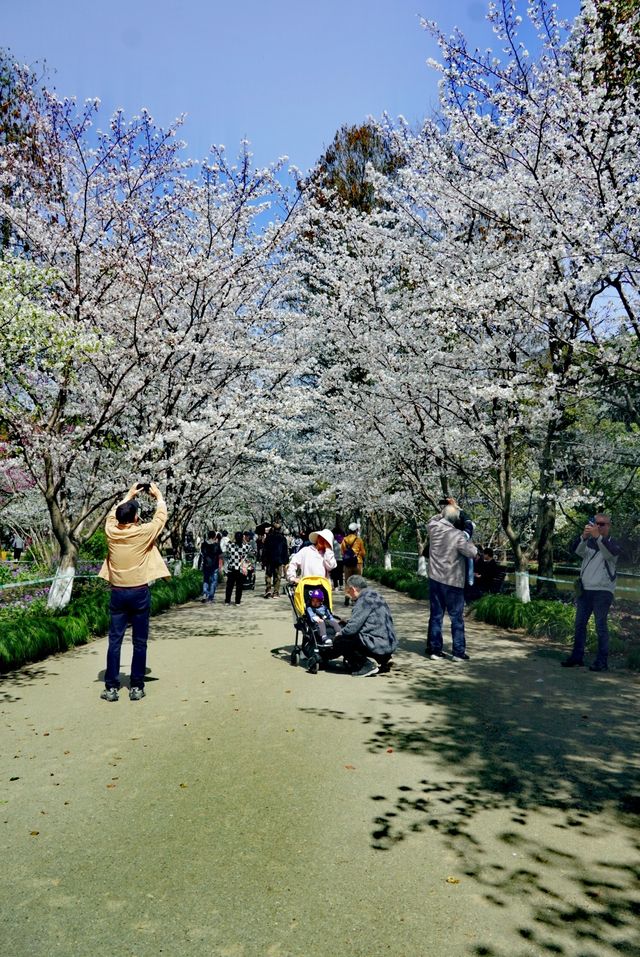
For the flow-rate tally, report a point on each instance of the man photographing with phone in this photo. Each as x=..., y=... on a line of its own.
x=132, y=562
x=596, y=587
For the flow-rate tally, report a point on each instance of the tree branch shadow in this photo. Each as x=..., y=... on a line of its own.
x=543, y=802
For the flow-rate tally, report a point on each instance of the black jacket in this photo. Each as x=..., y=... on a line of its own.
x=275, y=550
x=210, y=553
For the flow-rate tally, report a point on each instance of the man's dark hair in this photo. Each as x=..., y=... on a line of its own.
x=488, y=551
x=238, y=538
x=211, y=535
x=127, y=512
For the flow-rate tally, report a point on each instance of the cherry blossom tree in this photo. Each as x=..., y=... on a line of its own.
x=147, y=325
x=469, y=308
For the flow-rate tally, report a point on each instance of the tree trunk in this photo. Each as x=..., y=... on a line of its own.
x=522, y=586
x=62, y=585
x=521, y=555
x=546, y=522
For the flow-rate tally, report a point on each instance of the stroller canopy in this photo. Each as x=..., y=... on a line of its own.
x=303, y=588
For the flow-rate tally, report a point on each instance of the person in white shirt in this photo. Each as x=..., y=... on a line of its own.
x=18, y=546
x=314, y=560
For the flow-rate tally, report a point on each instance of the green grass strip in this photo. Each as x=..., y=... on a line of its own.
x=30, y=635
x=543, y=618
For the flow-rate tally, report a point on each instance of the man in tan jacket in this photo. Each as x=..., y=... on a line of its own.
x=132, y=562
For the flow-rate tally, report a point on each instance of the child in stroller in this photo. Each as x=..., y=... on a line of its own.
x=321, y=618
x=312, y=641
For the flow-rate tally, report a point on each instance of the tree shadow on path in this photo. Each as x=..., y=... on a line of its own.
x=534, y=786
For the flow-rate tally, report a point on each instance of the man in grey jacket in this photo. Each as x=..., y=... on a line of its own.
x=599, y=555
x=449, y=547
x=369, y=633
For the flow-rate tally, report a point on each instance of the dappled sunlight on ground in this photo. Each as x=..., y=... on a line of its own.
x=495, y=802
x=534, y=785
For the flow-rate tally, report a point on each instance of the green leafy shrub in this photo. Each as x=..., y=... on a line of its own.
x=96, y=548
x=549, y=619
x=33, y=634
x=542, y=618
x=399, y=579
x=633, y=658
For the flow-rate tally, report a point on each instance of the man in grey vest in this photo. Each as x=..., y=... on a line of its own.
x=597, y=584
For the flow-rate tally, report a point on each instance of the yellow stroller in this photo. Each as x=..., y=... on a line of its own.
x=306, y=634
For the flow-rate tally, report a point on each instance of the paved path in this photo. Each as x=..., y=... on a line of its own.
x=247, y=809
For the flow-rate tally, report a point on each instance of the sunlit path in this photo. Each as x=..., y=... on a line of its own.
x=245, y=808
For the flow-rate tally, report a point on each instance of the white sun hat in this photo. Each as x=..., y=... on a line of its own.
x=325, y=533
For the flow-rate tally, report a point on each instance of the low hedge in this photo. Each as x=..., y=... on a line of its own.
x=401, y=580
x=35, y=633
x=549, y=619
x=542, y=618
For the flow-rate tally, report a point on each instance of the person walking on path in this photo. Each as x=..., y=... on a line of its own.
x=369, y=633
x=353, y=555
x=18, y=546
x=337, y=574
x=316, y=559
x=449, y=548
x=236, y=559
x=132, y=562
x=597, y=585
x=275, y=552
x=211, y=563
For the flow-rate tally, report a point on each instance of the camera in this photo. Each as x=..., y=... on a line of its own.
x=144, y=487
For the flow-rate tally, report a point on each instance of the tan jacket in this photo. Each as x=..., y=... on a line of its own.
x=133, y=558
x=353, y=541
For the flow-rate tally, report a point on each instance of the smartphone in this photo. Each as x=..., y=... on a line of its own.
x=144, y=487
x=592, y=520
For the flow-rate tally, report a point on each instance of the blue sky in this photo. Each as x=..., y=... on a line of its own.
x=284, y=74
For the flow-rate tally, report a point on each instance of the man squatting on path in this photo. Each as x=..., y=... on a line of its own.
x=132, y=562
x=369, y=633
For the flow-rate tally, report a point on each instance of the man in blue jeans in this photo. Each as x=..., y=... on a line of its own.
x=449, y=548
x=599, y=554
x=133, y=561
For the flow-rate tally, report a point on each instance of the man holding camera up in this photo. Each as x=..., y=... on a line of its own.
x=597, y=584
x=133, y=561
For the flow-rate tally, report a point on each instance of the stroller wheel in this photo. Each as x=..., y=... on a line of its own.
x=294, y=657
x=313, y=667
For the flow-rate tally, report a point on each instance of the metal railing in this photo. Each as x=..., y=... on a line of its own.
x=628, y=581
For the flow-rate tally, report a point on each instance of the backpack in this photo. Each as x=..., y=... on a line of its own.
x=349, y=557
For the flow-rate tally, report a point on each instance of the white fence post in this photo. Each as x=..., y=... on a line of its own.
x=522, y=587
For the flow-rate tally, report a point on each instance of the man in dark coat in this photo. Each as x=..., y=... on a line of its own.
x=275, y=554
x=210, y=562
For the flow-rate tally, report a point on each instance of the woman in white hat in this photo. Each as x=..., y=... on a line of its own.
x=316, y=559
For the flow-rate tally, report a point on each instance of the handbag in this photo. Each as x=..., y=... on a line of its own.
x=244, y=568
